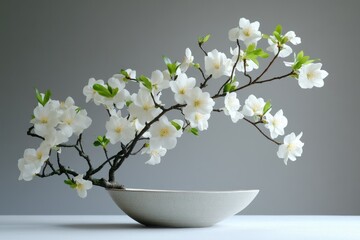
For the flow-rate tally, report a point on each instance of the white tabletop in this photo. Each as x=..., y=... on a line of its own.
x=122, y=227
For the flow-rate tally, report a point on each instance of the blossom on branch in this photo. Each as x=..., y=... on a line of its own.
x=217, y=64
x=82, y=185
x=291, y=148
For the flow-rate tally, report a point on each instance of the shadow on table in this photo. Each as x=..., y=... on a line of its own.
x=100, y=226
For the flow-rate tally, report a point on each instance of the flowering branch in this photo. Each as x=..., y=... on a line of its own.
x=142, y=116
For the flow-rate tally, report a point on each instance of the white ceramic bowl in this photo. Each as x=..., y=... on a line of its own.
x=168, y=208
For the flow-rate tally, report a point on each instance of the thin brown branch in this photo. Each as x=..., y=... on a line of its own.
x=257, y=127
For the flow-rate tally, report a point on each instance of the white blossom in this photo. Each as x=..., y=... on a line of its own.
x=82, y=185
x=250, y=65
x=198, y=101
x=291, y=148
x=232, y=106
x=217, y=64
x=121, y=96
x=143, y=107
x=291, y=36
x=55, y=137
x=187, y=61
x=167, y=76
x=32, y=161
x=121, y=77
x=311, y=75
x=253, y=106
x=158, y=81
x=46, y=117
x=181, y=87
x=164, y=134
x=74, y=121
x=90, y=93
x=285, y=50
x=276, y=123
x=199, y=120
x=247, y=32
x=119, y=129
x=155, y=154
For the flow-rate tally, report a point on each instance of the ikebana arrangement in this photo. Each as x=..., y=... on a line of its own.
x=138, y=123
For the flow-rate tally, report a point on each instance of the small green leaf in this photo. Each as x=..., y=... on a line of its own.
x=206, y=38
x=176, y=125
x=251, y=48
x=278, y=29
x=128, y=103
x=267, y=107
x=123, y=72
x=38, y=96
x=97, y=143
x=47, y=97
x=194, y=131
x=102, y=90
x=227, y=87
x=100, y=138
x=146, y=82
x=196, y=65
x=70, y=182
x=200, y=40
x=278, y=36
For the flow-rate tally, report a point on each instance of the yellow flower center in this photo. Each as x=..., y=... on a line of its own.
x=247, y=32
x=118, y=130
x=310, y=75
x=164, y=132
x=182, y=91
x=217, y=66
x=146, y=107
x=197, y=103
x=291, y=147
x=68, y=121
x=39, y=155
x=44, y=120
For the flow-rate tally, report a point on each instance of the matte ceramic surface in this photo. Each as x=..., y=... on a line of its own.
x=165, y=208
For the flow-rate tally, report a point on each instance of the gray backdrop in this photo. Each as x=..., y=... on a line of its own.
x=61, y=44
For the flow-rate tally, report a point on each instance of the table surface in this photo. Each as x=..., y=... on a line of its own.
x=123, y=227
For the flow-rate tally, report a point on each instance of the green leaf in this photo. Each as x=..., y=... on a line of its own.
x=277, y=36
x=78, y=109
x=47, y=97
x=251, y=48
x=202, y=40
x=167, y=60
x=196, y=65
x=267, y=107
x=123, y=72
x=100, y=138
x=206, y=38
x=38, y=96
x=227, y=88
x=176, y=125
x=102, y=90
x=278, y=29
x=128, y=103
x=194, y=131
x=70, y=182
x=172, y=67
x=97, y=143
x=146, y=82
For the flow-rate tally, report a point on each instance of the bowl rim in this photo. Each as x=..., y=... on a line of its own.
x=181, y=191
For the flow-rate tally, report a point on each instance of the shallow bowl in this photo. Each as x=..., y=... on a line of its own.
x=172, y=208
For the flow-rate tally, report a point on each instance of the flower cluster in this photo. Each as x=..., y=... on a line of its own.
x=141, y=116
